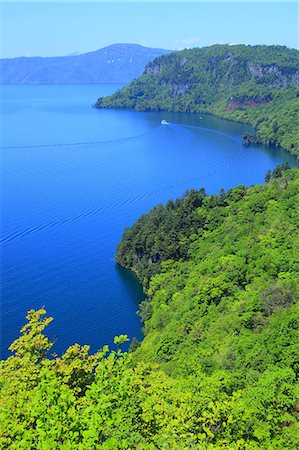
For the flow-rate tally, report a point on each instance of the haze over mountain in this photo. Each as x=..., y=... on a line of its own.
x=253, y=84
x=117, y=63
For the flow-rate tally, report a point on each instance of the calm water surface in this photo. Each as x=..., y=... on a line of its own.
x=73, y=178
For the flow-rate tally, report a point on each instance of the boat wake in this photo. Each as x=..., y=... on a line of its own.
x=76, y=144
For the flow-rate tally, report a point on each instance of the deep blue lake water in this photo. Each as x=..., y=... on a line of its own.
x=73, y=178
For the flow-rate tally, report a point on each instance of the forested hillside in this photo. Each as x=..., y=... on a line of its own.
x=254, y=84
x=218, y=368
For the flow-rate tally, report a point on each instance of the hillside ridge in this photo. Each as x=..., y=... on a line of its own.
x=253, y=84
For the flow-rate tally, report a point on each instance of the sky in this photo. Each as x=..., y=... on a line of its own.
x=59, y=28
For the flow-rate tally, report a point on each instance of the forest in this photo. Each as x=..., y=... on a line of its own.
x=258, y=85
x=218, y=366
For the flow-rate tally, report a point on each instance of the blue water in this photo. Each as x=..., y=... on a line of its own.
x=73, y=178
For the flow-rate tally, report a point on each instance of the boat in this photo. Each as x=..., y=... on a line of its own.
x=164, y=122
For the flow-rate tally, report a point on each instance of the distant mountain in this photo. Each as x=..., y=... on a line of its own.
x=118, y=63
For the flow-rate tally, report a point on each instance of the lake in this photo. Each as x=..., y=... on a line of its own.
x=74, y=177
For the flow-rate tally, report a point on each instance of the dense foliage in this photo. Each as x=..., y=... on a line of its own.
x=218, y=367
x=224, y=318
x=165, y=233
x=82, y=401
x=254, y=84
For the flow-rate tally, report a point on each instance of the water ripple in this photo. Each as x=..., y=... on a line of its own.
x=74, y=144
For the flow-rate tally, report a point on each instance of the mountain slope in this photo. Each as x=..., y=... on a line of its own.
x=254, y=84
x=118, y=63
